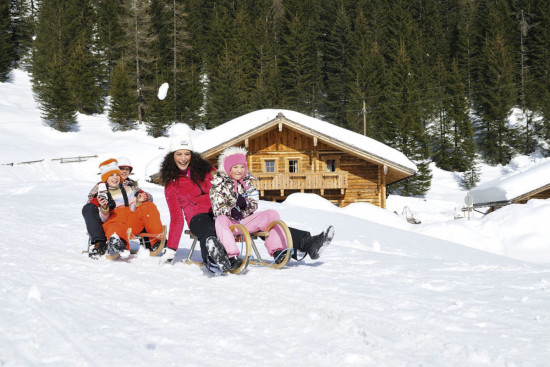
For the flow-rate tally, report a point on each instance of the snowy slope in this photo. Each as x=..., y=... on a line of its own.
x=386, y=293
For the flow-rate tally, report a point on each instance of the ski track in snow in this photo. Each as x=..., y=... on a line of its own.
x=377, y=298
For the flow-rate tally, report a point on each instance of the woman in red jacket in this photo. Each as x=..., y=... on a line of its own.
x=186, y=178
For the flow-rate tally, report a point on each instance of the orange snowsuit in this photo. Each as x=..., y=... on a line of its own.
x=145, y=216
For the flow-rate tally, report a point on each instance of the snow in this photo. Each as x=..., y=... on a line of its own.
x=252, y=120
x=513, y=185
x=446, y=292
x=163, y=90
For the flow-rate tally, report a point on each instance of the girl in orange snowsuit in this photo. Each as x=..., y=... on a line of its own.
x=120, y=209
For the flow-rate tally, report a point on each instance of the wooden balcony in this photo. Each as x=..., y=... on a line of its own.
x=302, y=181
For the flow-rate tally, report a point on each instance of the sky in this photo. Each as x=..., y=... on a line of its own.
x=450, y=291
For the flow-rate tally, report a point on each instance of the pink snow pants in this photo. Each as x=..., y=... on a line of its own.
x=253, y=223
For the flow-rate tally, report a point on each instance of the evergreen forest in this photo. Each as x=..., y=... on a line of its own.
x=439, y=80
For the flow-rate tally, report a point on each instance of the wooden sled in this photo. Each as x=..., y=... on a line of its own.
x=145, y=238
x=248, y=239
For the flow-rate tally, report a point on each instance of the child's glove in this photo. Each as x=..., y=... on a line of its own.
x=241, y=202
x=236, y=214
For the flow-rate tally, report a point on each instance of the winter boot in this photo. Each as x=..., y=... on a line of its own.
x=235, y=262
x=100, y=247
x=168, y=256
x=315, y=245
x=279, y=256
x=114, y=246
x=217, y=254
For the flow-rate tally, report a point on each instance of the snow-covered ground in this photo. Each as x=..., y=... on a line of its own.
x=446, y=292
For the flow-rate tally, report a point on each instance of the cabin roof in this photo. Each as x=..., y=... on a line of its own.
x=507, y=189
x=215, y=140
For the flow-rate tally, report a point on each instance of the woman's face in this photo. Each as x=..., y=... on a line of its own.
x=182, y=158
x=113, y=180
x=237, y=171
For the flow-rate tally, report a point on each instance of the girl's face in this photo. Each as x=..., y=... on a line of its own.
x=125, y=171
x=182, y=158
x=113, y=180
x=237, y=171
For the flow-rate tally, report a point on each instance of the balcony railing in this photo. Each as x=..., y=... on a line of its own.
x=302, y=181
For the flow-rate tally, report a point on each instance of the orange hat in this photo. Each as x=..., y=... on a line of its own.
x=107, y=168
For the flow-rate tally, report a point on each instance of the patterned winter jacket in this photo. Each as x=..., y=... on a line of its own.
x=128, y=182
x=224, y=198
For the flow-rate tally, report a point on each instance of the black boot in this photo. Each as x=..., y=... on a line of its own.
x=115, y=246
x=100, y=247
x=235, y=262
x=315, y=245
x=217, y=254
x=279, y=256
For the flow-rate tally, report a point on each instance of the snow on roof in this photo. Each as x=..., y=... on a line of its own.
x=252, y=120
x=507, y=188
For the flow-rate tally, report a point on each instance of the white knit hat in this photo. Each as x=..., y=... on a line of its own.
x=180, y=138
x=124, y=162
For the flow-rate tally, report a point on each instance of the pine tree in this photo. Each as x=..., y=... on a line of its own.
x=406, y=131
x=159, y=112
x=109, y=36
x=462, y=40
x=123, y=107
x=442, y=132
x=54, y=96
x=337, y=58
x=496, y=91
x=50, y=72
x=366, y=83
x=139, y=50
x=7, y=48
x=463, y=154
x=539, y=69
x=227, y=85
x=300, y=62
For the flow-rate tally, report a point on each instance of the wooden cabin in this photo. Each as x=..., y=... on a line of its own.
x=301, y=154
x=519, y=188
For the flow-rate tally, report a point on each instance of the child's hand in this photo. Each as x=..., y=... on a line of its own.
x=236, y=214
x=241, y=202
x=102, y=201
x=142, y=196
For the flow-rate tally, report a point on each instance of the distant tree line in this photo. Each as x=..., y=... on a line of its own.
x=436, y=79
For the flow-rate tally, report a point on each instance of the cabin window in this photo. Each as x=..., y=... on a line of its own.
x=292, y=165
x=270, y=166
x=331, y=165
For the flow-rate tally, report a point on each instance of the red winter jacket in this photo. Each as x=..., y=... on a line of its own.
x=186, y=198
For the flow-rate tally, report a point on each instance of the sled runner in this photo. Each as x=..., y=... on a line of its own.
x=248, y=240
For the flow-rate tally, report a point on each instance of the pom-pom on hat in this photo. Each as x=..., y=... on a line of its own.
x=107, y=168
x=180, y=138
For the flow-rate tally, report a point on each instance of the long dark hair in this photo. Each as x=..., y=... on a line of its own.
x=169, y=170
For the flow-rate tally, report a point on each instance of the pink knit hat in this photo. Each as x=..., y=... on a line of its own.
x=231, y=157
x=233, y=160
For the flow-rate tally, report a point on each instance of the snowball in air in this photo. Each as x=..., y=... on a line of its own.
x=163, y=89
